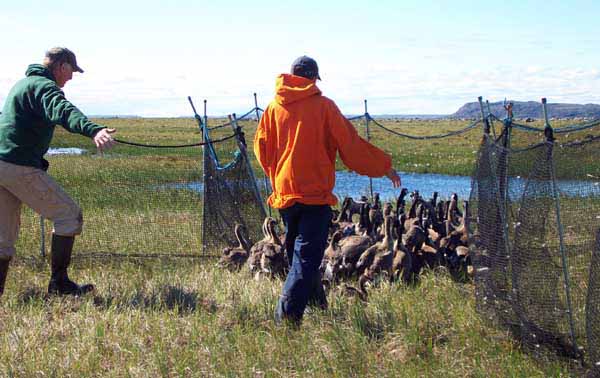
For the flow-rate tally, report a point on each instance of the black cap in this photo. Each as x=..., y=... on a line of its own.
x=63, y=54
x=306, y=67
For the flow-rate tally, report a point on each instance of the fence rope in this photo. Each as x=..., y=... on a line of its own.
x=559, y=130
x=175, y=145
x=426, y=137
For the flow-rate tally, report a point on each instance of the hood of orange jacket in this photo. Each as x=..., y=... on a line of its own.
x=291, y=88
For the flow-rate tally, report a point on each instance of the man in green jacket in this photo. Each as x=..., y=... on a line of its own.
x=31, y=110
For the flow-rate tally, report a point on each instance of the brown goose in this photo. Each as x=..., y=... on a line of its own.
x=401, y=202
x=379, y=257
x=273, y=261
x=360, y=292
x=402, y=264
x=234, y=258
x=352, y=248
x=332, y=258
x=258, y=248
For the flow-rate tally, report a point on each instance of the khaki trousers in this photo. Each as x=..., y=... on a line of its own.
x=33, y=187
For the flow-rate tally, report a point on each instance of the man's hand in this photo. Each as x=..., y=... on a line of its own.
x=104, y=140
x=392, y=175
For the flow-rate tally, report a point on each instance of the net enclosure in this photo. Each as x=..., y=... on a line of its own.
x=535, y=244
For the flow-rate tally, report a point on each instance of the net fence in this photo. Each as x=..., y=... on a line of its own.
x=231, y=194
x=146, y=196
x=534, y=239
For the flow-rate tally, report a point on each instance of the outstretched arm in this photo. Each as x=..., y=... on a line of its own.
x=58, y=110
x=356, y=153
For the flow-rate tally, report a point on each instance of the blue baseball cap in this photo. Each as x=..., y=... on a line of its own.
x=306, y=67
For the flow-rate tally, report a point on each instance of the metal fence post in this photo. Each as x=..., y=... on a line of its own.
x=265, y=178
x=484, y=119
x=367, y=116
x=563, y=253
x=490, y=118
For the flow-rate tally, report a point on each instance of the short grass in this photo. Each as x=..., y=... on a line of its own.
x=186, y=319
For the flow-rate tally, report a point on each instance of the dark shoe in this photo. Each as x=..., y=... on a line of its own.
x=4, y=263
x=60, y=284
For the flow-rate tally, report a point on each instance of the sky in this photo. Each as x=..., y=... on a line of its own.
x=405, y=57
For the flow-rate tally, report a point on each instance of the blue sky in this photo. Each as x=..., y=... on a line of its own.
x=405, y=57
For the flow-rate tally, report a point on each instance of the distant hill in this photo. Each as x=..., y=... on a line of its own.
x=531, y=109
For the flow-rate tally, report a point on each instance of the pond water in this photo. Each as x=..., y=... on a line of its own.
x=354, y=185
x=66, y=151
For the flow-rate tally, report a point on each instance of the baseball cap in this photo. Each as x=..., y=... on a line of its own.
x=306, y=67
x=63, y=54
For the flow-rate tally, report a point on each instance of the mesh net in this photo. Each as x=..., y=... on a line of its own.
x=534, y=241
x=231, y=195
x=127, y=194
x=147, y=200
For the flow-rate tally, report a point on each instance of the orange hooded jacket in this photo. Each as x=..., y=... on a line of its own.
x=297, y=140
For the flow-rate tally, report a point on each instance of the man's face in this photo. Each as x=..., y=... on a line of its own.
x=63, y=73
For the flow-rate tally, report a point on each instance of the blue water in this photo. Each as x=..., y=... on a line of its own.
x=66, y=151
x=354, y=185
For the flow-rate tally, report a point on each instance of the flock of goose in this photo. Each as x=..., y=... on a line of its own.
x=371, y=241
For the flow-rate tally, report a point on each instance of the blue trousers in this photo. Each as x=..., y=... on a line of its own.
x=305, y=242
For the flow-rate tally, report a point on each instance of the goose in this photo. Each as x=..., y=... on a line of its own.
x=257, y=249
x=234, y=258
x=376, y=223
x=433, y=200
x=379, y=257
x=332, y=258
x=376, y=202
x=453, y=211
x=350, y=207
x=412, y=213
x=400, y=202
x=273, y=260
x=403, y=260
x=387, y=209
x=360, y=292
x=352, y=248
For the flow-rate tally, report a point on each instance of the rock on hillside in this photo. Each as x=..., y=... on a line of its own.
x=531, y=109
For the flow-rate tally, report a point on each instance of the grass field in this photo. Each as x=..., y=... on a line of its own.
x=170, y=317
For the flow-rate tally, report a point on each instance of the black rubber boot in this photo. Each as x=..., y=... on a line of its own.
x=4, y=263
x=60, y=284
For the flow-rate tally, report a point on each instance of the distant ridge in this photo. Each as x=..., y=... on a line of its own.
x=531, y=109
x=113, y=116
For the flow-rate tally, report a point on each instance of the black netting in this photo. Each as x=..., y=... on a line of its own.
x=157, y=193
x=231, y=196
x=127, y=194
x=538, y=213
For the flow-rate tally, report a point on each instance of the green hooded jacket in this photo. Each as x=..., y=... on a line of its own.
x=32, y=109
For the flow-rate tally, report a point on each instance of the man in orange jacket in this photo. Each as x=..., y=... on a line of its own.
x=296, y=143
